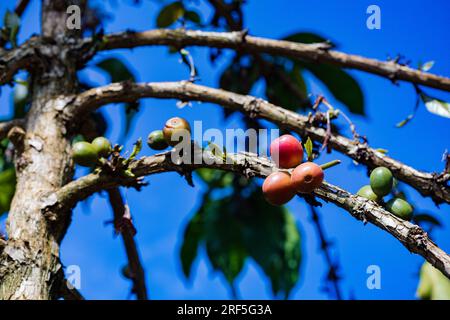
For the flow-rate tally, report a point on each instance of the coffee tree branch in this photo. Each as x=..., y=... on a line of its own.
x=428, y=184
x=414, y=238
x=22, y=57
x=127, y=232
x=21, y=6
x=239, y=40
x=8, y=125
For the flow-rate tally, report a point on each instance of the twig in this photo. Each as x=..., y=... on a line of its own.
x=21, y=6
x=127, y=232
x=333, y=266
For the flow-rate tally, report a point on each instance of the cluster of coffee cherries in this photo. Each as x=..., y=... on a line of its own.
x=280, y=186
x=88, y=154
x=174, y=127
x=381, y=184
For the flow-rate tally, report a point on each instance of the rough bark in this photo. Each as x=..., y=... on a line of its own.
x=410, y=235
x=428, y=184
x=29, y=264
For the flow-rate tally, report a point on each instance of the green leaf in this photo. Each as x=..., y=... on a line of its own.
x=223, y=238
x=306, y=37
x=193, y=234
x=215, y=178
x=433, y=285
x=278, y=93
x=239, y=79
x=436, y=106
x=12, y=24
x=7, y=189
x=170, y=14
x=244, y=225
x=272, y=239
x=193, y=16
x=136, y=149
x=116, y=69
x=341, y=84
x=427, y=218
x=309, y=149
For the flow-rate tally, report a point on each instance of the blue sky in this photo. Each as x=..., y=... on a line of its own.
x=417, y=29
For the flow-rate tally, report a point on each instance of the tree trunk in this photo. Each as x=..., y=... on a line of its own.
x=29, y=264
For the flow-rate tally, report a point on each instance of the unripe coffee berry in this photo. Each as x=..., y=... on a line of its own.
x=381, y=181
x=156, y=140
x=102, y=146
x=277, y=188
x=367, y=192
x=400, y=208
x=286, y=151
x=307, y=177
x=84, y=154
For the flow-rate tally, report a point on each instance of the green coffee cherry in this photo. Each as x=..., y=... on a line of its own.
x=400, y=208
x=156, y=140
x=381, y=181
x=102, y=146
x=84, y=154
x=367, y=192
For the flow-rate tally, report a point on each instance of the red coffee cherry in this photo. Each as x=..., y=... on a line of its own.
x=286, y=151
x=277, y=188
x=307, y=177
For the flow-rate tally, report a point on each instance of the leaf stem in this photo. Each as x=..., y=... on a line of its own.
x=330, y=164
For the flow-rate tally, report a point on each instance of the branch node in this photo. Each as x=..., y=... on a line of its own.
x=252, y=107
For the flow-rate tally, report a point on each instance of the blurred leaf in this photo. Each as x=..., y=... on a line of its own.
x=427, y=66
x=341, y=84
x=309, y=149
x=193, y=16
x=278, y=93
x=223, y=237
x=118, y=71
x=215, y=178
x=425, y=217
x=21, y=98
x=193, y=234
x=272, y=239
x=436, y=106
x=7, y=189
x=306, y=37
x=238, y=78
x=239, y=226
x=12, y=24
x=170, y=14
x=131, y=110
x=433, y=284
